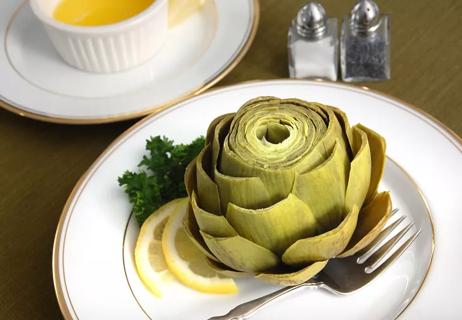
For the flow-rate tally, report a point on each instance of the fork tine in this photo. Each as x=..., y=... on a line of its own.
x=395, y=210
x=395, y=255
x=369, y=249
x=377, y=257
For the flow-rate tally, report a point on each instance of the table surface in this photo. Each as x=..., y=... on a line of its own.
x=41, y=162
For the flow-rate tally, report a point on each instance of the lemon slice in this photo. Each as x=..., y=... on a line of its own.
x=179, y=10
x=149, y=259
x=186, y=261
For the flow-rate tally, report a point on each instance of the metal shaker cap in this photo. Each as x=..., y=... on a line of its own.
x=311, y=20
x=365, y=16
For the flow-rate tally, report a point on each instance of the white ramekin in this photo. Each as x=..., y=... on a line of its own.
x=108, y=48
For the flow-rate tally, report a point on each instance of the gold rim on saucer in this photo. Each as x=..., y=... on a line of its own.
x=228, y=67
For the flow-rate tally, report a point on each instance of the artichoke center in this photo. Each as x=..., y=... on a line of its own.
x=273, y=133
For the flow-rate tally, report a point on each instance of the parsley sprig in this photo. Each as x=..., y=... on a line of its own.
x=160, y=175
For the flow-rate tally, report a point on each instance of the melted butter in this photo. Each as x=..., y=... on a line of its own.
x=98, y=12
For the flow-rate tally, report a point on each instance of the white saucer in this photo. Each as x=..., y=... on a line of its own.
x=37, y=83
x=93, y=251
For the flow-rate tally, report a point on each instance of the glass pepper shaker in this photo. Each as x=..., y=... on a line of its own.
x=312, y=44
x=365, y=44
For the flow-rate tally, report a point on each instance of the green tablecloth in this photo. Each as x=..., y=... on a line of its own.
x=40, y=162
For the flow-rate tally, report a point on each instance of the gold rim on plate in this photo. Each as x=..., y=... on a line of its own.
x=61, y=292
x=228, y=67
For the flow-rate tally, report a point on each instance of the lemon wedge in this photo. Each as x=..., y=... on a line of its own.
x=186, y=261
x=149, y=259
x=179, y=10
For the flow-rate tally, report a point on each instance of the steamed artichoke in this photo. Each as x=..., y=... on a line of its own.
x=282, y=186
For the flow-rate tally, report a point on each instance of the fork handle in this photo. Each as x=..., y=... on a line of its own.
x=247, y=309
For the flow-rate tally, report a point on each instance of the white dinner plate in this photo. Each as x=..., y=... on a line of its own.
x=94, y=272
x=35, y=82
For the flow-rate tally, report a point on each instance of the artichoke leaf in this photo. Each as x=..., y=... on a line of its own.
x=213, y=125
x=276, y=132
x=334, y=133
x=207, y=190
x=322, y=149
x=213, y=224
x=241, y=254
x=293, y=278
x=360, y=171
x=278, y=182
x=323, y=188
x=371, y=221
x=226, y=271
x=276, y=227
x=192, y=231
x=347, y=133
x=190, y=177
x=221, y=130
x=377, y=145
x=324, y=246
x=246, y=192
x=257, y=101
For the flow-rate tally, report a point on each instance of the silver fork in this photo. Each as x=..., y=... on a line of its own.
x=341, y=276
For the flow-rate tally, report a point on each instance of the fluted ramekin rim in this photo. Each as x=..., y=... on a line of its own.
x=95, y=30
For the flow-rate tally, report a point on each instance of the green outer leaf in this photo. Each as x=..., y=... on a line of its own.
x=226, y=271
x=192, y=231
x=293, y=278
x=215, y=225
x=347, y=133
x=360, y=171
x=371, y=221
x=219, y=135
x=244, y=192
x=212, y=128
x=190, y=177
x=323, y=188
x=257, y=101
x=207, y=190
x=378, y=147
x=241, y=254
x=233, y=166
x=324, y=246
x=274, y=228
x=321, y=151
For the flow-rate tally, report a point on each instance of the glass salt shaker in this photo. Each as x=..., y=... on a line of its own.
x=313, y=44
x=365, y=44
